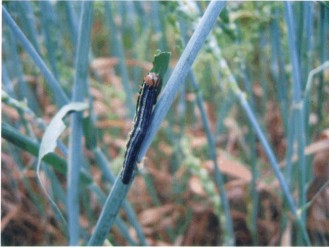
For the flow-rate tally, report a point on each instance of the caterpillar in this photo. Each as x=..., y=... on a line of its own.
x=145, y=102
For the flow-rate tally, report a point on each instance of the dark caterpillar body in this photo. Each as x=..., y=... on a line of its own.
x=146, y=100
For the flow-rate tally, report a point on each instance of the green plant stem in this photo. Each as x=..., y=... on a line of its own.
x=119, y=52
x=229, y=238
x=109, y=212
x=24, y=91
x=232, y=84
x=58, y=93
x=181, y=70
x=298, y=111
x=124, y=230
x=103, y=163
x=323, y=47
x=51, y=36
x=75, y=158
x=119, y=190
x=277, y=68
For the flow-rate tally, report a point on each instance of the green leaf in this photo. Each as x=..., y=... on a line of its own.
x=90, y=132
x=160, y=64
x=13, y=136
x=325, y=3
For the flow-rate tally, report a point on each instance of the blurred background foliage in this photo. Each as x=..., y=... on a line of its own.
x=175, y=199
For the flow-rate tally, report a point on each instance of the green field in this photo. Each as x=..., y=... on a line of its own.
x=236, y=147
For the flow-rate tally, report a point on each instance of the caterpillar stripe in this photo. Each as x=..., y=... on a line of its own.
x=145, y=102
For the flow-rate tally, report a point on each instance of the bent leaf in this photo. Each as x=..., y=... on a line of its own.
x=50, y=137
x=56, y=128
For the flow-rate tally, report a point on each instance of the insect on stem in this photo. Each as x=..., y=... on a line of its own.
x=145, y=103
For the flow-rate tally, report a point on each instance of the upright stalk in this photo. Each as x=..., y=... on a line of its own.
x=297, y=106
x=75, y=158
